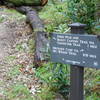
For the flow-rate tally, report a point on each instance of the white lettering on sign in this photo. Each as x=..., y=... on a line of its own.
x=73, y=62
x=83, y=42
x=91, y=42
x=76, y=49
x=92, y=56
x=93, y=46
x=95, y=63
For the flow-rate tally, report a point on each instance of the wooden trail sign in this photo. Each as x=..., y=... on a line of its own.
x=76, y=49
x=80, y=51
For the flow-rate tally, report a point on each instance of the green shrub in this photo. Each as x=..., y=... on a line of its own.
x=83, y=11
x=56, y=76
x=54, y=15
x=93, y=97
x=92, y=84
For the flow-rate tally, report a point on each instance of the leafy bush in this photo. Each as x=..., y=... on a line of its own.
x=92, y=84
x=83, y=11
x=55, y=16
x=93, y=97
x=56, y=76
x=58, y=14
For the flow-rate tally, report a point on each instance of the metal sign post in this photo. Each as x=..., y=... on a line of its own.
x=77, y=72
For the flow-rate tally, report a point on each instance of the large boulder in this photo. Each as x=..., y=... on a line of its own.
x=27, y=2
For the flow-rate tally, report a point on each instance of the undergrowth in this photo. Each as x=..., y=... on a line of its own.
x=18, y=92
x=56, y=76
x=56, y=17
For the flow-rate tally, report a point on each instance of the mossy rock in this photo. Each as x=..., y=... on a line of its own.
x=27, y=2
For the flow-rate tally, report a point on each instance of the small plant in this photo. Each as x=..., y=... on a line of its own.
x=92, y=84
x=19, y=47
x=18, y=92
x=93, y=97
x=13, y=12
x=1, y=19
x=62, y=28
x=46, y=93
x=31, y=44
x=15, y=70
x=56, y=76
x=10, y=58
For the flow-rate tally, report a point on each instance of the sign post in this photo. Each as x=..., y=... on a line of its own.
x=76, y=72
x=79, y=50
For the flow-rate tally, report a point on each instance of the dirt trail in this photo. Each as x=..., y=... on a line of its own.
x=6, y=39
x=16, y=58
x=14, y=51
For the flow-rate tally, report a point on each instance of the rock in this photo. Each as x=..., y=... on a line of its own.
x=27, y=2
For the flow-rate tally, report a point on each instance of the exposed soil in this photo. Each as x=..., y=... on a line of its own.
x=15, y=51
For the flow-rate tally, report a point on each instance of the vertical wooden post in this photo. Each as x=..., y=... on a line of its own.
x=76, y=72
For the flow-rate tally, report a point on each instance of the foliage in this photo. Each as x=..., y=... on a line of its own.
x=18, y=92
x=93, y=97
x=12, y=13
x=56, y=76
x=31, y=44
x=46, y=93
x=10, y=58
x=1, y=19
x=96, y=29
x=15, y=70
x=57, y=15
x=83, y=11
x=92, y=84
x=25, y=2
x=19, y=47
x=54, y=16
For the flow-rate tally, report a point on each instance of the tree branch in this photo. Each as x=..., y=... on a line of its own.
x=41, y=40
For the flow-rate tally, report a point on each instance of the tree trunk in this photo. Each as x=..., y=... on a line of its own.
x=41, y=40
x=27, y=2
